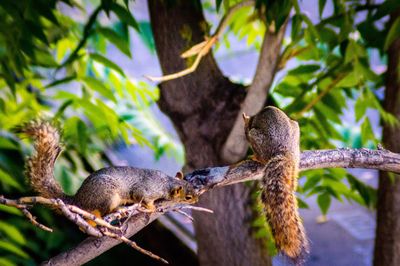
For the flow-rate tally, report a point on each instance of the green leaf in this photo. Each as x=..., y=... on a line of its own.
x=12, y=232
x=146, y=35
x=311, y=26
x=107, y=62
x=296, y=26
x=62, y=108
x=83, y=136
x=13, y=249
x=324, y=201
x=8, y=143
x=5, y=178
x=44, y=59
x=98, y=86
x=60, y=81
x=36, y=30
x=218, y=4
x=124, y=15
x=116, y=39
x=311, y=182
x=349, y=81
x=6, y=262
x=367, y=193
x=394, y=33
x=304, y=69
x=302, y=204
x=321, y=6
x=360, y=107
x=367, y=134
x=10, y=210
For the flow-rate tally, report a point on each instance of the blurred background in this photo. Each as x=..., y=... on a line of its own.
x=82, y=63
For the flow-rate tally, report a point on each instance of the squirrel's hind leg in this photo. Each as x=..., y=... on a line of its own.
x=96, y=213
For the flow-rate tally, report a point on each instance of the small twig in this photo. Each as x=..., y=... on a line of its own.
x=187, y=215
x=22, y=203
x=122, y=212
x=321, y=95
x=197, y=208
x=32, y=219
x=203, y=48
x=87, y=31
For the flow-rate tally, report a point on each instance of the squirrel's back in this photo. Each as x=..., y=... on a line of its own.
x=40, y=165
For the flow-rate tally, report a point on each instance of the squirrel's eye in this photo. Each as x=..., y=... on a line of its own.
x=188, y=197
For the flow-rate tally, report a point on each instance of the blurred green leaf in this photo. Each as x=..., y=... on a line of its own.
x=12, y=232
x=107, y=62
x=124, y=15
x=13, y=249
x=321, y=6
x=394, y=33
x=116, y=39
x=7, y=179
x=98, y=86
x=324, y=201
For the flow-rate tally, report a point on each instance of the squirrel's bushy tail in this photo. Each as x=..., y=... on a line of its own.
x=279, y=185
x=40, y=165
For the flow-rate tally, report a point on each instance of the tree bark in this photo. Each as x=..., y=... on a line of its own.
x=203, y=107
x=387, y=242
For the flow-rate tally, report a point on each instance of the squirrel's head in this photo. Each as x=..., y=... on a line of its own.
x=271, y=132
x=182, y=190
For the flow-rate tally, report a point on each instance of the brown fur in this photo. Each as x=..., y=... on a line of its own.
x=106, y=189
x=274, y=138
x=40, y=165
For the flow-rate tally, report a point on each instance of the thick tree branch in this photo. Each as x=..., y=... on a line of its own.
x=235, y=146
x=207, y=179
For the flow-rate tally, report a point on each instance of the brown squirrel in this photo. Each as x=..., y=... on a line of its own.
x=106, y=189
x=274, y=138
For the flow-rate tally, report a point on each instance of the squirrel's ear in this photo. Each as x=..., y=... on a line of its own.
x=176, y=191
x=179, y=175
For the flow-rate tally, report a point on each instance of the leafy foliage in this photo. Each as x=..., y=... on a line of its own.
x=326, y=72
x=55, y=66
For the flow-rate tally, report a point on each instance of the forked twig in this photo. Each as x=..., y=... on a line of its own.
x=78, y=216
x=32, y=219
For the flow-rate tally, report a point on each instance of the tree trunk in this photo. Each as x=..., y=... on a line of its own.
x=387, y=242
x=203, y=107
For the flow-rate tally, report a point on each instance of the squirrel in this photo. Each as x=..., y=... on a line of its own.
x=105, y=190
x=274, y=138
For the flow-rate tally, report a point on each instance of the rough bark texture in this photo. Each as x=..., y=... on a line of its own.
x=236, y=146
x=209, y=178
x=203, y=107
x=387, y=242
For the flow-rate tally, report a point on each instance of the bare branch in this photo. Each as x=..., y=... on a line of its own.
x=32, y=219
x=235, y=146
x=207, y=179
x=203, y=48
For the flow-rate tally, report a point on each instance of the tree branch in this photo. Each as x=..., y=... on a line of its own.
x=235, y=146
x=209, y=178
x=201, y=49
